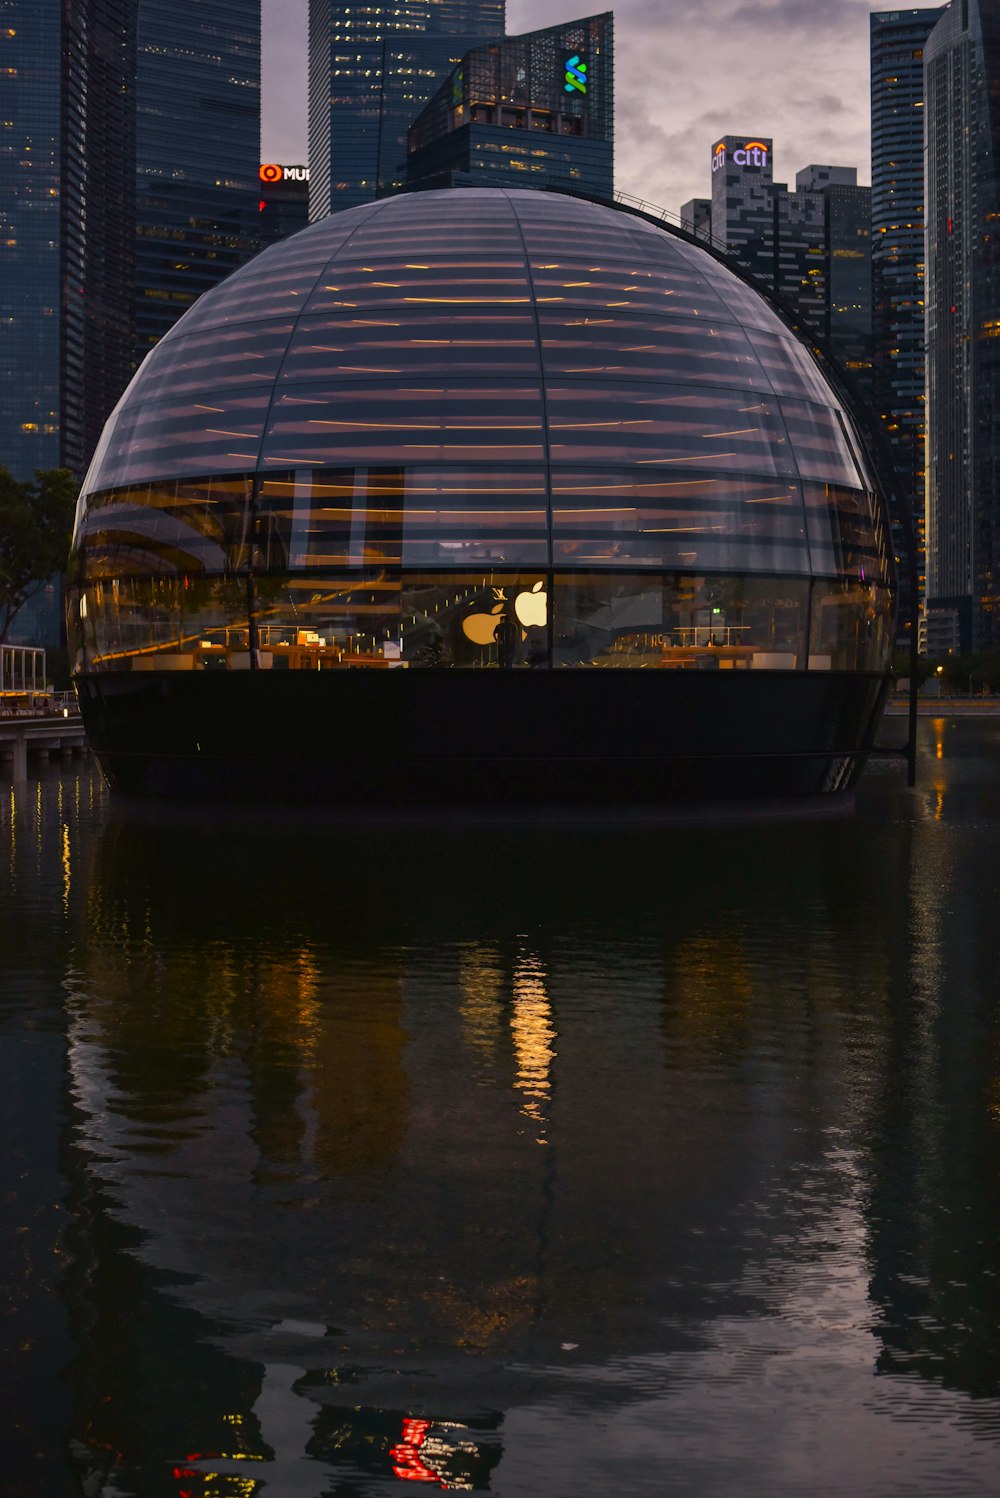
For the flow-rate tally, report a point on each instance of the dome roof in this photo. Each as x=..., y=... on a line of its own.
x=609, y=384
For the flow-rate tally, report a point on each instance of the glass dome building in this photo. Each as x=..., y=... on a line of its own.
x=481, y=493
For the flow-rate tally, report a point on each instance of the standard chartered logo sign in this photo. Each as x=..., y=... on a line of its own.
x=576, y=74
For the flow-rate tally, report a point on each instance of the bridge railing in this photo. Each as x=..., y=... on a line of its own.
x=37, y=704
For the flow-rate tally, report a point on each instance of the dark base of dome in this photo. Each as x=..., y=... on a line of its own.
x=405, y=738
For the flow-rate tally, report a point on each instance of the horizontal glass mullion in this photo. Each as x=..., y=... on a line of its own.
x=408, y=341
x=661, y=427
x=627, y=346
x=231, y=358
x=402, y=515
x=219, y=433
x=477, y=421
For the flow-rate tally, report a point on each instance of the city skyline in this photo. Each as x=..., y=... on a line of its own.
x=663, y=141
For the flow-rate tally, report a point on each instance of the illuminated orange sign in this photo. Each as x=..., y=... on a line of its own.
x=273, y=171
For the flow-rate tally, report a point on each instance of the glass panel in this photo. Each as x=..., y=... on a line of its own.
x=283, y=293
x=163, y=624
x=791, y=369
x=680, y=623
x=655, y=426
x=470, y=222
x=409, y=341
x=422, y=621
x=746, y=305
x=846, y=533
x=628, y=347
x=178, y=526
x=183, y=436
x=275, y=284
x=356, y=517
x=851, y=627
x=230, y=357
x=317, y=425
x=484, y=620
x=444, y=279
x=618, y=518
x=821, y=449
x=616, y=283
x=326, y=622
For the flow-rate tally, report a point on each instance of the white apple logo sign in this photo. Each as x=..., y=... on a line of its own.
x=532, y=608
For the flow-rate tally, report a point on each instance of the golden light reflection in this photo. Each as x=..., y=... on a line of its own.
x=533, y=1035
x=65, y=865
x=937, y=806
x=481, y=1011
x=713, y=989
x=938, y=726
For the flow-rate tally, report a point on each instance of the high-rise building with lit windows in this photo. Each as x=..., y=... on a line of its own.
x=898, y=38
x=197, y=92
x=67, y=164
x=129, y=158
x=811, y=246
x=530, y=111
x=372, y=69
x=962, y=82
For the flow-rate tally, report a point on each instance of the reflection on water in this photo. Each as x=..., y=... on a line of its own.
x=542, y=1158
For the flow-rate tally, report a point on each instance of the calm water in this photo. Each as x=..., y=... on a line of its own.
x=542, y=1159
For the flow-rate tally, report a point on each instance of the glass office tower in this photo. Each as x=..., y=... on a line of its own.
x=371, y=70
x=811, y=246
x=66, y=176
x=530, y=111
x=197, y=153
x=897, y=40
x=962, y=62
x=484, y=493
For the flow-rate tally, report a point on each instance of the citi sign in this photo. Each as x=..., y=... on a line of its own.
x=754, y=153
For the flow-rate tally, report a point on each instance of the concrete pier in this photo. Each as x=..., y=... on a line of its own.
x=39, y=738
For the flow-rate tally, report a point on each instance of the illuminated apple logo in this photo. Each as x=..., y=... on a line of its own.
x=481, y=629
x=532, y=608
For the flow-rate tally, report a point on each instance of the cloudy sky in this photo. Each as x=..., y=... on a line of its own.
x=685, y=74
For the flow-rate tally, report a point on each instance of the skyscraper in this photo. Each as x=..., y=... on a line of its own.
x=371, y=70
x=197, y=153
x=811, y=246
x=898, y=379
x=527, y=111
x=847, y=312
x=66, y=182
x=129, y=154
x=962, y=68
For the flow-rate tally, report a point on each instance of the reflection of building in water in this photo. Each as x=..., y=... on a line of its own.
x=684, y=1092
x=933, y=1213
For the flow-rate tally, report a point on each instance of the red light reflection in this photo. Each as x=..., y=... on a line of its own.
x=406, y=1462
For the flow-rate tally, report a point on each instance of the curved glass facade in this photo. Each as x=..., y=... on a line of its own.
x=481, y=428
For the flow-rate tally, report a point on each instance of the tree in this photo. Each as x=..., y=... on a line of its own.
x=36, y=522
